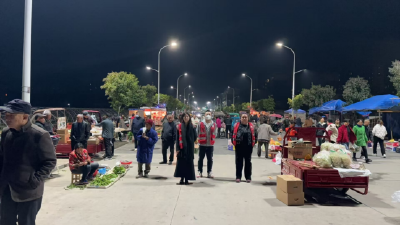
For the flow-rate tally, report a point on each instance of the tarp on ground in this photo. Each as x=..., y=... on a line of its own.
x=298, y=111
x=380, y=102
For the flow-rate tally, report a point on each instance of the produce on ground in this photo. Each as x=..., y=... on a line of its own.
x=119, y=170
x=104, y=180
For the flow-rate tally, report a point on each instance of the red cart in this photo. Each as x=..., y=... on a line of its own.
x=318, y=178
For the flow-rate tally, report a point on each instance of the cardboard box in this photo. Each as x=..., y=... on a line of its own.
x=299, y=152
x=63, y=139
x=296, y=199
x=304, y=144
x=291, y=143
x=93, y=141
x=289, y=184
x=62, y=131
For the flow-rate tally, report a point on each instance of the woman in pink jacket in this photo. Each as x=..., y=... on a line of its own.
x=218, y=121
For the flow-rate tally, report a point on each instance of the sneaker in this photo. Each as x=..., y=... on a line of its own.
x=210, y=175
x=163, y=162
x=362, y=157
x=384, y=155
x=146, y=175
x=85, y=182
x=135, y=149
x=139, y=175
x=170, y=163
x=237, y=180
x=200, y=174
x=354, y=159
x=376, y=154
x=368, y=160
x=248, y=181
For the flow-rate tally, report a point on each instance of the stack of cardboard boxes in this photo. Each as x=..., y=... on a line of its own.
x=64, y=136
x=299, y=150
x=289, y=190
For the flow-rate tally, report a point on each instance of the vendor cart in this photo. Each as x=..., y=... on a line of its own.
x=318, y=177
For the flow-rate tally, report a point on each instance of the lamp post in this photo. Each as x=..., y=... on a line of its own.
x=251, y=87
x=26, y=69
x=177, y=84
x=158, y=71
x=233, y=96
x=294, y=64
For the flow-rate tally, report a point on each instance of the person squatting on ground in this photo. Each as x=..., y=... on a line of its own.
x=362, y=140
x=27, y=157
x=108, y=136
x=80, y=163
x=264, y=136
x=168, y=137
x=185, y=151
x=207, y=133
x=147, y=138
x=379, y=132
x=244, y=138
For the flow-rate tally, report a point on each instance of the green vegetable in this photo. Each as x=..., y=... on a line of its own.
x=104, y=180
x=119, y=170
x=72, y=186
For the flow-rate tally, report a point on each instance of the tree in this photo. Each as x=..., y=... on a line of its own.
x=123, y=90
x=149, y=92
x=356, y=89
x=245, y=106
x=171, y=102
x=229, y=109
x=296, y=103
x=317, y=95
x=395, y=75
x=265, y=104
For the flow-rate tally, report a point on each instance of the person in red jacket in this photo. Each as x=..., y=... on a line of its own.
x=291, y=131
x=346, y=135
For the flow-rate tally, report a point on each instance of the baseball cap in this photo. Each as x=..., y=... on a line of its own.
x=37, y=116
x=17, y=106
x=85, y=113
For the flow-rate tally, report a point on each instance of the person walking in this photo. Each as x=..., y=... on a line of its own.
x=27, y=157
x=264, y=136
x=207, y=133
x=228, y=123
x=244, y=138
x=379, y=132
x=337, y=123
x=298, y=122
x=168, y=138
x=308, y=123
x=108, y=136
x=320, y=132
x=332, y=131
x=286, y=123
x=362, y=140
x=185, y=151
x=346, y=135
x=137, y=124
x=80, y=132
x=147, y=138
x=218, y=121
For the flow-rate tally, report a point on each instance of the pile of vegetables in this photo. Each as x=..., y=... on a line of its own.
x=104, y=180
x=119, y=170
x=323, y=159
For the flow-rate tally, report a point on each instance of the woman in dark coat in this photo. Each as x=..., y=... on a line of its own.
x=185, y=151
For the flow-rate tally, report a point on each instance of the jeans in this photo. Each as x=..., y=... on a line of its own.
x=86, y=171
x=147, y=169
x=25, y=211
x=346, y=145
x=108, y=146
x=380, y=141
x=206, y=150
x=243, y=153
x=165, y=145
x=261, y=143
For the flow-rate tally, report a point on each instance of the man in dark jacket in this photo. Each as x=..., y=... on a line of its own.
x=320, y=132
x=137, y=124
x=168, y=137
x=228, y=124
x=87, y=118
x=48, y=126
x=27, y=157
x=108, y=136
x=80, y=132
x=40, y=121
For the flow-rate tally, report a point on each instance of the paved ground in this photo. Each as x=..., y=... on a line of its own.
x=158, y=200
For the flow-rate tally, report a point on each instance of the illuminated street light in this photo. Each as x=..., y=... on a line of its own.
x=159, y=54
x=294, y=64
x=177, y=84
x=251, y=87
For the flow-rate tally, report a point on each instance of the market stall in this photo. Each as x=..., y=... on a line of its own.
x=330, y=167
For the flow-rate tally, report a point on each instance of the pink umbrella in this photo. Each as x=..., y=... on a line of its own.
x=276, y=115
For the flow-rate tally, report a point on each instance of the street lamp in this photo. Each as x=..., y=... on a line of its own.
x=232, y=95
x=173, y=44
x=69, y=105
x=177, y=84
x=184, y=91
x=294, y=63
x=251, y=87
x=300, y=71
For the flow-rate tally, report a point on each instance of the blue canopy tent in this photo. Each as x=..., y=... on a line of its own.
x=313, y=110
x=298, y=111
x=380, y=102
x=333, y=105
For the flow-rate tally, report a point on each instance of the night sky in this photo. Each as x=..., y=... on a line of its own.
x=76, y=43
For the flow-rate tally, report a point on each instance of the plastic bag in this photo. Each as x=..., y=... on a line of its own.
x=346, y=161
x=279, y=138
x=278, y=158
x=396, y=196
x=354, y=148
x=336, y=159
x=370, y=144
x=262, y=147
x=323, y=159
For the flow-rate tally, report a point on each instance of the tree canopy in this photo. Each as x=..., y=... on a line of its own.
x=296, y=103
x=395, y=75
x=317, y=95
x=149, y=92
x=356, y=89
